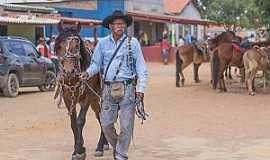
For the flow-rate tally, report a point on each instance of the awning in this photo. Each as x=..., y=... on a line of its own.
x=84, y=22
x=27, y=19
x=161, y=18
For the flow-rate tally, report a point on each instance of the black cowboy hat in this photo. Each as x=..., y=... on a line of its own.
x=117, y=14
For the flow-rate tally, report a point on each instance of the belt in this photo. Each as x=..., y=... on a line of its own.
x=126, y=82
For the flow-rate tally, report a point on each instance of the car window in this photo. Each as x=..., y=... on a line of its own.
x=29, y=49
x=15, y=47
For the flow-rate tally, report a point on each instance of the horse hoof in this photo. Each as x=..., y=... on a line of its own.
x=177, y=85
x=106, y=147
x=197, y=81
x=98, y=154
x=79, y=156
x=252, y=94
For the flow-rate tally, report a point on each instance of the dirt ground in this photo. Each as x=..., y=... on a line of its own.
x=189, y=123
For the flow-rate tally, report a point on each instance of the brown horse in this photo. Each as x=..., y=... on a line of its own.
x=255, y=59
x=185, y=55
x=75, y=59
x=224, y=55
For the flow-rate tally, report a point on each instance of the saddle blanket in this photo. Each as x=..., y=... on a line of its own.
x=237, y=47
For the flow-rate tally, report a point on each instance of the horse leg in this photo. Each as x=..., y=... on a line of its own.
x=79, y=152
x=230, y=72
x=80, y=121
x=102, y=143
x=250, y=82
x=221, y=77
x=196, y=75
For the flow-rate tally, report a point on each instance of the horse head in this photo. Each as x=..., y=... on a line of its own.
x=71, y=51
x=228, y=36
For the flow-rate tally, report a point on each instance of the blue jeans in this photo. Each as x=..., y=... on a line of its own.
x=165, y=55
x=125, y=107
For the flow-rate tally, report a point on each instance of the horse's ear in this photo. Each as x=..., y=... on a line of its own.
x=79, y=27
x=60, y=26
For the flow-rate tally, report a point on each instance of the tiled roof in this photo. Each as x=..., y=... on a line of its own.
x=175, y=6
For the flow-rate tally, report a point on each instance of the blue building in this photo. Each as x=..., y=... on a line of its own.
x=102, y=9
x=86, y=9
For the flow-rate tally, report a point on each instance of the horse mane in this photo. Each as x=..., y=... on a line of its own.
x=85, y=55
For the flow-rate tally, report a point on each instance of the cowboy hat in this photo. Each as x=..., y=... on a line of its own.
x=117, y=14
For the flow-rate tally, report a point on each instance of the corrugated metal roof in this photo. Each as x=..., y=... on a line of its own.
x=161, y=18
x=28, y=8
x=28, y=20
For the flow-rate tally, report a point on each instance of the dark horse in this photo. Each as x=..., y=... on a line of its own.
x=185, y=55
x=224, y=54
x=75, y=59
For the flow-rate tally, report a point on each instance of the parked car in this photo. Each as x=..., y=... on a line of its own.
x=22, y=66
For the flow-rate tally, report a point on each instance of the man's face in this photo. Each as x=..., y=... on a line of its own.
x=118, y=26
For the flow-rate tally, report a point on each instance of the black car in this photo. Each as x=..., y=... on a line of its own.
x=22, y=66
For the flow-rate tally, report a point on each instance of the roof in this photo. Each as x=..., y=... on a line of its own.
x=177, y=6
x=86, y=22
x=161, y=18
x=26, y=8
x=32, y=1
x=28, y=19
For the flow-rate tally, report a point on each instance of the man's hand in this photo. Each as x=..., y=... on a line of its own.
x=84, y=76
x=140, y=96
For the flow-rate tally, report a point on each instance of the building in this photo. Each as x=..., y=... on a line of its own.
x=83, y=9
x=186, y=9
x=26, y=21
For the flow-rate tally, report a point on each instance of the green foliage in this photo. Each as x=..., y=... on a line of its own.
x=264, y=9
x=231, y=13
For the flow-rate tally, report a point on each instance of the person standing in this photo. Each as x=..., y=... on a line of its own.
x=165, y=46
x=43, y=48
x=120, y=60
x=181, y=41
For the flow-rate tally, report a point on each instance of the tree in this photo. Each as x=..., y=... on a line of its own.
x=233, y=14
x=264, y=9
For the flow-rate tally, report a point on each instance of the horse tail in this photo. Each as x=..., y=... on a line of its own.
x=215, y=69
x=178, y=65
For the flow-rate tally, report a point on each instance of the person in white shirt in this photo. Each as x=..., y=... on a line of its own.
x=181, y=41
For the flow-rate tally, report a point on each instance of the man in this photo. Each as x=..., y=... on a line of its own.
x=127, y=64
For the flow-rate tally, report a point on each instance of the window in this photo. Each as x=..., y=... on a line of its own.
x=15, y=47
x=29, y=49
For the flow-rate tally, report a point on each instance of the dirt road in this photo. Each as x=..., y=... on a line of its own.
x=190, y=123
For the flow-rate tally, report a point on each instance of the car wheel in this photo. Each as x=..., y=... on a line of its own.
x=50, y=82
x=12, y=87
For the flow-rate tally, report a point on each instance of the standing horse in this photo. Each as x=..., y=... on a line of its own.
x=185, y=55
x=224, y=54
x=75, y=59
x=255, y=59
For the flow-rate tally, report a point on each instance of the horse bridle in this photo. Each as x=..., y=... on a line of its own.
x=78, y=87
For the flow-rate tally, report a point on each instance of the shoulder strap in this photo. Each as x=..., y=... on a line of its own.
x=114, y=54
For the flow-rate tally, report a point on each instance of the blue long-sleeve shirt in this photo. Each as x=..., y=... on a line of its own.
x=103, y=53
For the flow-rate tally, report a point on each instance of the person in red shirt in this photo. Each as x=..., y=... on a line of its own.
x=43, y=48
x=165, y=46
